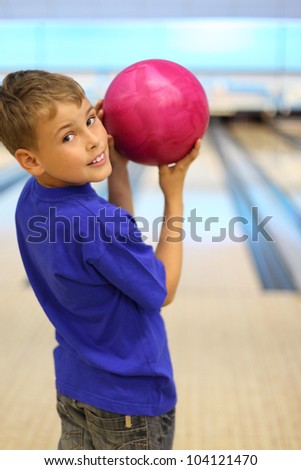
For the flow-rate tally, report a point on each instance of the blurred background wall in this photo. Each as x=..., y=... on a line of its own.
x=245, y=53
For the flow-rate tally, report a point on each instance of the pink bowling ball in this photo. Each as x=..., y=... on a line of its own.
x=155, y=110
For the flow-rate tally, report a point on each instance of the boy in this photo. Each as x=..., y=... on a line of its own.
x=99, y=284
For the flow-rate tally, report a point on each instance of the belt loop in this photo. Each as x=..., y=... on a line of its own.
x=128, y=422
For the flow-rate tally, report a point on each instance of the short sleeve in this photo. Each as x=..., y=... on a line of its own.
x=121, y=256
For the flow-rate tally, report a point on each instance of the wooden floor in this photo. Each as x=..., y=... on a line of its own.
x=236, y=348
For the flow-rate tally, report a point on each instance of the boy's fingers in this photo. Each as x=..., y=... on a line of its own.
x=185, y=161
x=191, y=155
x=98, y=105
x=111, y=140
x=98, y=108
x=196, y=148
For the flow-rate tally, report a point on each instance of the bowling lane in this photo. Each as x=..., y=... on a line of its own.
x=278, y=158
x=26, y=342
x=251, y=155
x=288, y=126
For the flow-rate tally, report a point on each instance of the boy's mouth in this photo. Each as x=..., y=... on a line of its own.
x=99, y=159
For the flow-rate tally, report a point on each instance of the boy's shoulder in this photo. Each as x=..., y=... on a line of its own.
x=66, y=196
x=71, y=201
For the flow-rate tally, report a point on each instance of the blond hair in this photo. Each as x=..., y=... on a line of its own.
x=25, y=98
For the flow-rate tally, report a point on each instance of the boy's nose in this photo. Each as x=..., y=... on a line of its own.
x=92, y=140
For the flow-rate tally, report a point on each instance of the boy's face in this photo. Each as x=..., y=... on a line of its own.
x=72, y=147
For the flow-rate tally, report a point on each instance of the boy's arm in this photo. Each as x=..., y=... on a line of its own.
x=170, y=246
x=119, y=186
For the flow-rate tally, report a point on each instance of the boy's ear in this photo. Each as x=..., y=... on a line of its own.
x=29, y=162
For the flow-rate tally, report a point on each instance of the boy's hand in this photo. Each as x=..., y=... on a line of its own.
x=171, y=178
x=98, y=109
x=116, y=158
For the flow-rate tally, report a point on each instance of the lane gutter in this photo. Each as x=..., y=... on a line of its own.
x=271, y=265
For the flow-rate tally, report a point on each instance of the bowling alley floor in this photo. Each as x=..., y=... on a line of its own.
x=235, y=346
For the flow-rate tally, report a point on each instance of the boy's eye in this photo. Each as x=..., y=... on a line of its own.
x=68, y=138
x=91, y=120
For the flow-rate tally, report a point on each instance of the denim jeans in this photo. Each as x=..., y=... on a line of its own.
x=85, y=427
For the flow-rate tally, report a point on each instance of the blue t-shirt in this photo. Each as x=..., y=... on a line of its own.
x=102, y=288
